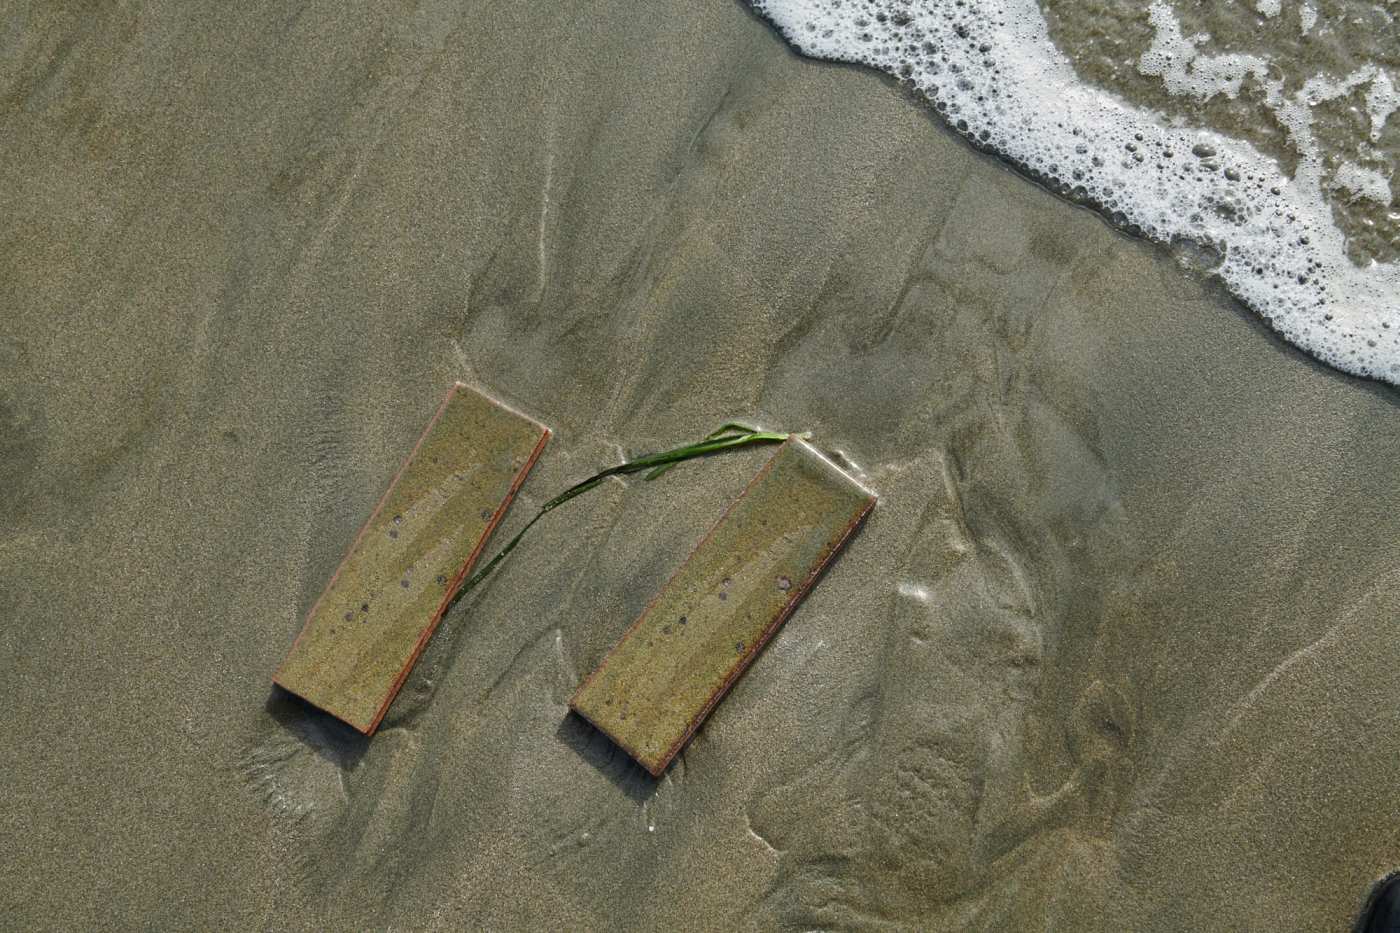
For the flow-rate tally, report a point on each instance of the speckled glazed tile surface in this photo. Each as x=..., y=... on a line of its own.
x=363, y=635
x=655, y=688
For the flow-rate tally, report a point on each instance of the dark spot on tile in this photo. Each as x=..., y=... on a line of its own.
x=441, y=580
x=739, y=647
x=485, y=515
x=681, y=620
x=403, y=583
x=393, y=532
x=364, y=607
x=349, y=615
x=784, y=584
x=665, y=630
x=723, y=595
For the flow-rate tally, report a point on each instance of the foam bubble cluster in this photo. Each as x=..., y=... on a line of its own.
x=990, y=68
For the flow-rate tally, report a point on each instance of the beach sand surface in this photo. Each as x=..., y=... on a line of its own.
x=1116, y=650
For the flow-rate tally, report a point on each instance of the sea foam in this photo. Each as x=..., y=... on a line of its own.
x=991, y=69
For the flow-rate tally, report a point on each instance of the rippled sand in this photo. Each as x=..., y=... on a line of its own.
x=1116, y=650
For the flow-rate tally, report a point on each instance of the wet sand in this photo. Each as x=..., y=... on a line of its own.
x=1116, y=649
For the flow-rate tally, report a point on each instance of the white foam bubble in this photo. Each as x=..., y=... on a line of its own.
x=1307, y=17
x=1173, y=57
x=992, y=71
x=1381, y=101
x=1363, y=183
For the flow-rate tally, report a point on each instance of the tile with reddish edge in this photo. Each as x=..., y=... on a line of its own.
x=711, y=619
x=363, y=635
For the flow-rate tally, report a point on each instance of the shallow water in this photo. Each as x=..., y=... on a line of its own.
x=1259, y=139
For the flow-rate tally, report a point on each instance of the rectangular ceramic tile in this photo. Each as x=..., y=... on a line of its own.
x=363, y=635
x=731, y=595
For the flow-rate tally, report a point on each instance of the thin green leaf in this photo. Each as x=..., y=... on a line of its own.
x=726, y=428
x=728, y=436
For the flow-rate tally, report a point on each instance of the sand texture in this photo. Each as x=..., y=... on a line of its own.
x=1116, y=650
